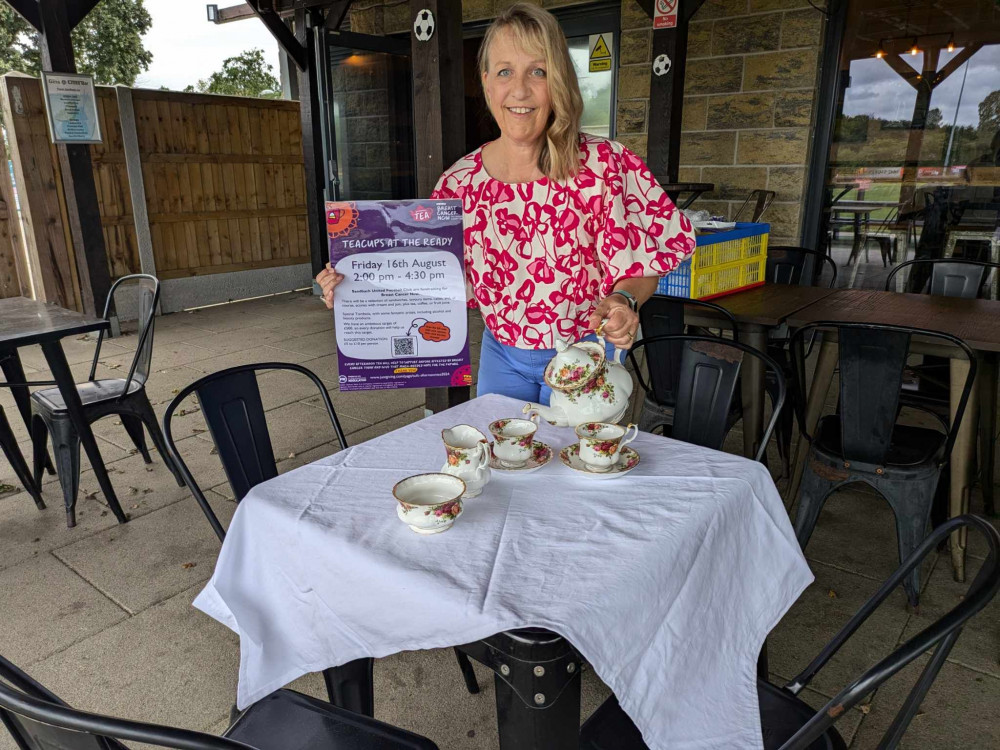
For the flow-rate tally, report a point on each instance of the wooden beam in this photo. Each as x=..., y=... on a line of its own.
x=77, y=10
x=83, y=210
x=439, y=116
x=336, y=14
x=286, y=40
x=666, y=97
x=311, y=113
x=904, y=71
x=28, y=10
x=234, y=13
x=955, y=63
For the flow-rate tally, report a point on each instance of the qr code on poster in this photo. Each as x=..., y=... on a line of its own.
x=404, y=346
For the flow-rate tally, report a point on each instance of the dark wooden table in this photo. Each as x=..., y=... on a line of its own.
x=674, y=189
x=757, y=311
x=24, y=322
x=975, y=321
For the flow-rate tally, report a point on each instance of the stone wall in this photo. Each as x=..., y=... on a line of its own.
x=752, y=73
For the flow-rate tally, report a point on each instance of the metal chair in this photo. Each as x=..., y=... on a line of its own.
x=761, y=199
x=863, y=443
x=125, y=397
x=234, y=413
x=8, y=444
x=788, y=722
x=284, y=720
x=968, y=279
x=663, y=315
x=708, y=381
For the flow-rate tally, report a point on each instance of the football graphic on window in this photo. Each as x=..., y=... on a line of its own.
x=423, y=27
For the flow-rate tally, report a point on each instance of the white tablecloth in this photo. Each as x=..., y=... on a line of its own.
x=666, y=580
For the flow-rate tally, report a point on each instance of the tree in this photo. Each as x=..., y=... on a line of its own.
x=247, y=74
x=107, y=43
x=934, y=118
x=989, y=113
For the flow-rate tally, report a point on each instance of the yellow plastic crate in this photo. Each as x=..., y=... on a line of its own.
x=723, y=263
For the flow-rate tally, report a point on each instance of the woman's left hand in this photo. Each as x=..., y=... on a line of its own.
x=621, y=323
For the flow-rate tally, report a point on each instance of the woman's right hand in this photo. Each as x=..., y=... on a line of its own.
x=328, y=280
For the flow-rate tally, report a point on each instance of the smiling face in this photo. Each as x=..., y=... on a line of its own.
x=517, y=89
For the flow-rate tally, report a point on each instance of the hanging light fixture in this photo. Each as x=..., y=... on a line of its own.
x=914, y=50
x=951, y=43
x=880, y=52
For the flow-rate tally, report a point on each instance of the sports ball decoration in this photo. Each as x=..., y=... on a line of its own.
x=423, y=26
x=661, y=65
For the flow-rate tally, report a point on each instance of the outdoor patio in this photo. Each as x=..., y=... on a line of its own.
x=102, y=613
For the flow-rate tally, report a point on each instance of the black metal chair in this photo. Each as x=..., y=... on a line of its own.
x=8, y=444
x=967, y=279
x=786, y=265
x=788, y=722
x=708, y=370
x=761, y=200
x=15, y=380
x=234, y=413
x=284, y=720
x=662, y=315
x=125, y=397
x=863, y=442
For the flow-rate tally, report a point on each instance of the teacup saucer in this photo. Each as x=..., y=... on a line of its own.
x=570, y=456
x=541, y=454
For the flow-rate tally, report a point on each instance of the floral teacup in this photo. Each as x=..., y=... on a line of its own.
x=429, y=503
x=468, y=452
x=513, y=439
x=601, y=444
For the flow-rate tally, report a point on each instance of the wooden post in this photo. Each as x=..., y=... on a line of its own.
x=83, y=211
x=666, y=94
x=439, y=113
x=310, y=112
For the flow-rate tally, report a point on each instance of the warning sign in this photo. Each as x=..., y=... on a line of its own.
x=600, y=52
x=665, y=14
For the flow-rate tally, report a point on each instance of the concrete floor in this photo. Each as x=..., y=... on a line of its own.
x=102, y=613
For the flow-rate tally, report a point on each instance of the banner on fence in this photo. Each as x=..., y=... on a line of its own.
x=401, y=315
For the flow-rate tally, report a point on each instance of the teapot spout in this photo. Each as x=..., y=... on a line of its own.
x=551, y=414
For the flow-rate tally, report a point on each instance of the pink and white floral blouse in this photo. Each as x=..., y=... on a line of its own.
x=540, y=255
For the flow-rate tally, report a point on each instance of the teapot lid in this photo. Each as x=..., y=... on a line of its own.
x=574, y=365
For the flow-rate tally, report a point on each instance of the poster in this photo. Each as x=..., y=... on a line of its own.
x=72, y=108
x=401, y=316
x=665, y=14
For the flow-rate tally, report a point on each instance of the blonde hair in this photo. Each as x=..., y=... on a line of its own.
x=537, y=30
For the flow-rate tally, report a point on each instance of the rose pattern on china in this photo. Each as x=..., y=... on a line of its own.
x=539, y=255
x=460, y=456
x=447, y=512
x=603, y=447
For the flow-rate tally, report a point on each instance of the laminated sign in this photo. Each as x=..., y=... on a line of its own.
x=600, y=52
x=401, y=316
x=665, y=14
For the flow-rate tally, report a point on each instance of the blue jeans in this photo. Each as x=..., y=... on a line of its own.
x=518, y=373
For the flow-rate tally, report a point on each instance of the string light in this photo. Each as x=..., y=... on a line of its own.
x=951, y=43
x=880, y=52
x=914, y=49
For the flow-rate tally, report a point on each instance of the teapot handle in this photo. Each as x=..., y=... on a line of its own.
x=618, y=356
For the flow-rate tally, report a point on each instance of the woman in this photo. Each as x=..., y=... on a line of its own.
x=562, y=230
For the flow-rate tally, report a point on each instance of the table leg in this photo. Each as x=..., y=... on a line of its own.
x=961, y=458
x=524, y=727
x=67, y=387
x=13, y=372
x=826, y=363
x=987, y=428
x=752, y=384
x=352, y=686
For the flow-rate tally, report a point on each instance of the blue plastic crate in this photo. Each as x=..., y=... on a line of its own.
x=678, y=282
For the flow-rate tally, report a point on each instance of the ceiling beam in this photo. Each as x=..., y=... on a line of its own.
x=263, y=9
x=336, y=14
x=77, y=10
x=956, y=62
x=234, y=13
x=905, y=72
x=28, y=10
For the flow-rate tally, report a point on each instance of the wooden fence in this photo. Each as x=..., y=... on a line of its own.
x=11, y=273
x=221, y=182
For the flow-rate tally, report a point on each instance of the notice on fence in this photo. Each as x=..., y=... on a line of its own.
x=72, y=108
x=400, y=312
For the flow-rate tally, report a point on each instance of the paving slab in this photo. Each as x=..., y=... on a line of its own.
x=243, y=339
x=958, y=712
x=298, y=427
x=165, y=354
x=246, y=357
x=393, y=423
x=979, y=645
x=228, y=317
x=370, y=408
x=47, y=607
x=170, y=664
x=819, y=614
x=151, y=558
x=78, y=349
x=318, y=344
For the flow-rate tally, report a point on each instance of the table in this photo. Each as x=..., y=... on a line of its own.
x=317, y=571
x=859, y=209
x=976, y=321
x=674, y=189
x=757, y=311
x=24, y=322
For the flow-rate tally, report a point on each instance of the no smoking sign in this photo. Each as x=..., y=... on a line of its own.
x=665, y=14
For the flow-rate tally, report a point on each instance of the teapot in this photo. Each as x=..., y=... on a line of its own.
x=586, y=386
